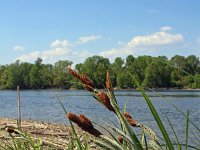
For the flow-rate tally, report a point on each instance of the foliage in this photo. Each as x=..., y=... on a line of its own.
x=154, y=72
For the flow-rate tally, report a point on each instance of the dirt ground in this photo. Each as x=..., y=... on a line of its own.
x=58, y=134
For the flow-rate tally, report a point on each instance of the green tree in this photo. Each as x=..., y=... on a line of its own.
x=25, y=71
x=117, y=69
x=36, y=75
x=196, y=83
x=157, y=74
x=151, y=71
x=123, y=80
x=61, y=79
x=3, y=76
x=192, y=64
x=180, y=65
x=95, y=68
x=47, y=75
x=129, y=62
x=139, y=66
x=14, y=75
x=129, y=65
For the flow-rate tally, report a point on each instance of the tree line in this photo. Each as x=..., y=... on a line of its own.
x=153, y=72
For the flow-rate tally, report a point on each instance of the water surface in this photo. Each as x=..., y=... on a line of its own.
x=43, y=105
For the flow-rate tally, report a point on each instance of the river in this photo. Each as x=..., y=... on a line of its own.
x=43, y=105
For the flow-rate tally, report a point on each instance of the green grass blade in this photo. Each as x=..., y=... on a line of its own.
x=73, y=129
x=178, y=143
x=186, y=118
x=14, y=142
x=71, y=143
x=125, y=104
x=187, y=130
x=113, y=142
x=197, y=139
x=76, y=136
x=178, y=109
x=125, y=124
x=150, y=133
x=118, y=131
x=122, y=133
x=145, y=141
x=155, y=115
x=153, y=145
x=105, y=144
x=61, y=104
x=107, y=130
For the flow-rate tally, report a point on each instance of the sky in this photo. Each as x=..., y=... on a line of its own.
x=77, y=29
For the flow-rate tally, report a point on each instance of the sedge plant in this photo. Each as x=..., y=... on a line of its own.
x=123, y=138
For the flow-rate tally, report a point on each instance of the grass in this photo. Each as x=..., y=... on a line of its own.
x=23, y=141
x=121, y=137
x=130, y=139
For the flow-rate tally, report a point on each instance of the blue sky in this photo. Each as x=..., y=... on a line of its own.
x=75, y=30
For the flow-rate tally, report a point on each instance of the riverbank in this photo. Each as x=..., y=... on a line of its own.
x=173, y=89
x=51, y=134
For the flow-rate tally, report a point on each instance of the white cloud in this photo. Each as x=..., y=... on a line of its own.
x=114, y=52
x=29, y=57
x=86, y=39
x=48, y=56
x=60, y=43
x=146, y=43
x=59, y=49
x=54, y=53
x=111, y=52
x=165, y=28
x=155, y=39
x=18, y=48
x=142, y=44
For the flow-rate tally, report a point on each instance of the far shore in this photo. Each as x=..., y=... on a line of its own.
x=176, y=89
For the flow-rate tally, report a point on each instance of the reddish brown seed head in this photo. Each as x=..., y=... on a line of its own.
x=89, y=88
x=73, y=117
x=108, y=82
x=73, y=72
x=127, y=115
x=132, y=122
x=83, y=78
x=85, y=121
x=120, y=139
x=105, y=100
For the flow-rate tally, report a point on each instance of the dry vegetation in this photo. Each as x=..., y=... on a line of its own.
x=51, y=134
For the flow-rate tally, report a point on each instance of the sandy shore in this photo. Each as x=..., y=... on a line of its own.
x=47, y=132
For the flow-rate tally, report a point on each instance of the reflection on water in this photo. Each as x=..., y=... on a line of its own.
x=43, y=105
